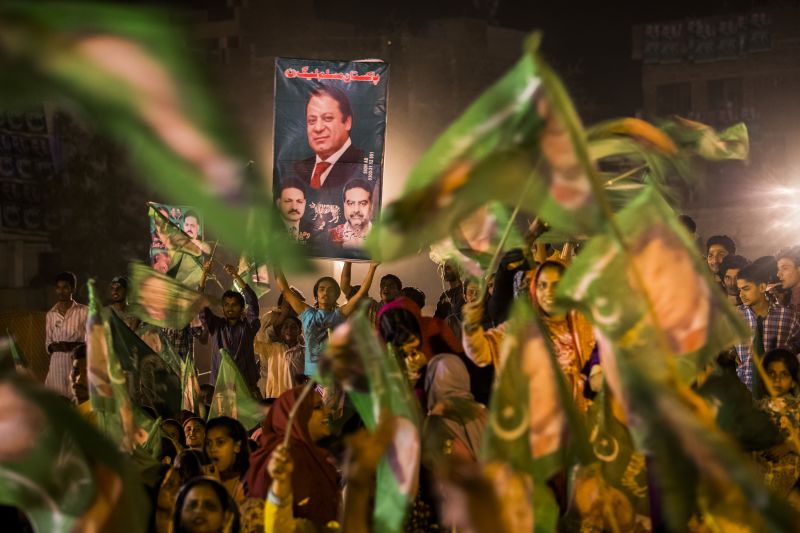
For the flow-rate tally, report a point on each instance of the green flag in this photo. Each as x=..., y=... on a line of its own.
x=534, y=426
x=692, y=458
x=191, y=399
x=128, y=69
x=489, y=152
x=389, y=391
x=617, y=480
x=59, y=470
x=232, y=396
x=152, y=380
x=118, y=416
x=160, y=300
x=16, y=352
x=691, y=319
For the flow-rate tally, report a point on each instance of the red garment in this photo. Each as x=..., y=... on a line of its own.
x=437, y=337
x=314, y=478
x=319, y=169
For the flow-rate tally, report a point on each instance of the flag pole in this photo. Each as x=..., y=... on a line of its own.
x=293, y=413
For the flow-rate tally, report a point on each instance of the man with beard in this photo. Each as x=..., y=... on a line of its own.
x=357, y=203
x=191, y=227
x=65, y=330
x=235, y=331
x=291, y=202
x=118, y=291
x=728, y=270
x=717, y=248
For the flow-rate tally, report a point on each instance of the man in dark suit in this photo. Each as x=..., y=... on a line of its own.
x=329, y=119
x=291, y=202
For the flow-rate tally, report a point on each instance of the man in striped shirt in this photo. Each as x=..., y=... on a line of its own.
x=65, y=330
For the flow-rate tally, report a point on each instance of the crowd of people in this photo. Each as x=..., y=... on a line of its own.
x=317, y=474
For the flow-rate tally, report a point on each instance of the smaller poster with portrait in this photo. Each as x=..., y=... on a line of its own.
x=175, y=231
x=330, y=124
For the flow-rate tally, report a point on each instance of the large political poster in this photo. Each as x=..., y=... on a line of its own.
x=330, y=125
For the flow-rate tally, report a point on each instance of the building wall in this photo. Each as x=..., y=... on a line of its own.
x=753, y=202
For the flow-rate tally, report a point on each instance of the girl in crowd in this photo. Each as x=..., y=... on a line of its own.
x=172, y=429
x=314, y=479
x=194, y=428
x=203, y=505
x=227, y=449
x=570, y=332
x=187, y=465
x=781, y=463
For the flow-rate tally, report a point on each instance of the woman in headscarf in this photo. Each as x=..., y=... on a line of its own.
x=455, y=419
x=314, y=479
x=418, y=339
x=570, y=332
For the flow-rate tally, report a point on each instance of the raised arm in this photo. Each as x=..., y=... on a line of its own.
x=288, y=294
x=350, y=306
x=252, y=312
x=344, y=279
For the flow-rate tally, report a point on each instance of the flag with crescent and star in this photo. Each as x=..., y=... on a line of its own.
x=533, y=424
x=688, y=320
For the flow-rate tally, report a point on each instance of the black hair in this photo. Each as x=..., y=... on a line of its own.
x=79, y=352
x=236, y=432
x=197, y=418
x=189, y=213
x=233, y=294
x=549, y=264
x=768, y=266
x=358, y=183
x=792, y=254
x=291, y=183
x=724, y=241
x=227, y=503
x=353, y=290
x=784, y=356
x=414, y=294
x=335, y=93
x=393, y=279
x=732, y=261
x=173, y=422
x=293, y=319
x=189, y=463
x=754, y=273
x=327, y=278
x=688, y=223
x=397, y=326
x=67, y=277
x=168, y=449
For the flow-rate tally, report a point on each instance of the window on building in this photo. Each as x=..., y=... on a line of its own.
x=725, y=93
x=674, y=98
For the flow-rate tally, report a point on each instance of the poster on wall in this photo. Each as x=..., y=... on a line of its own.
x=330, y=125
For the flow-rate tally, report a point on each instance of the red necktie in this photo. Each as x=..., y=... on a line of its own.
x=321, y=167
